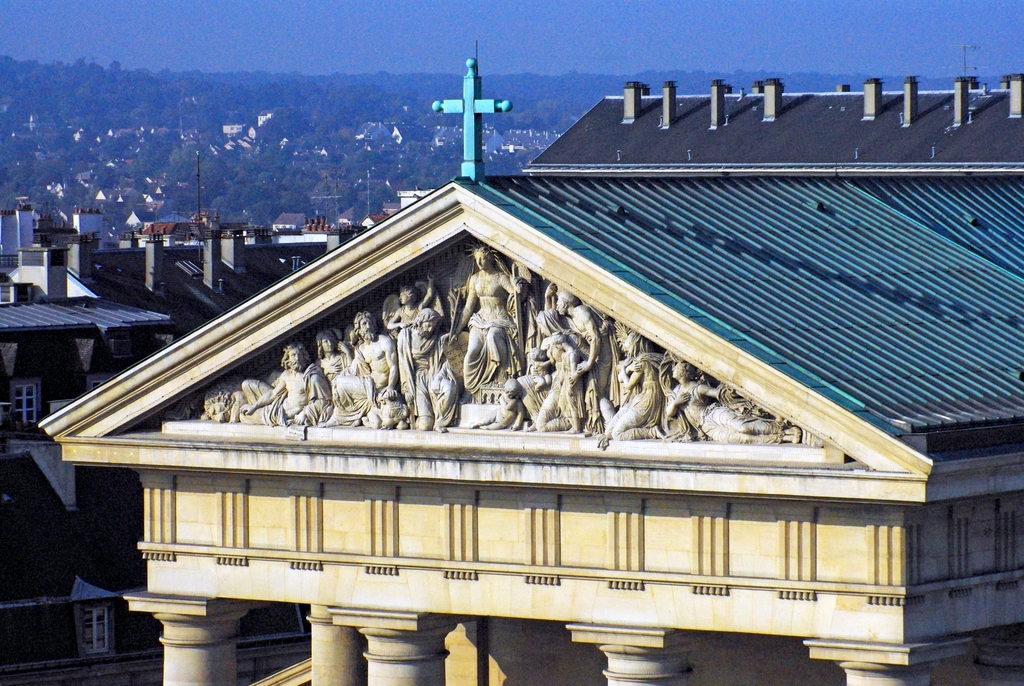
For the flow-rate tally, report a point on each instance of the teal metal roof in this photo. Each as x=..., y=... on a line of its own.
x=814, y=276
x=985, y=215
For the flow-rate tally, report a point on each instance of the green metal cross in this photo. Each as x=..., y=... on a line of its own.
x=471, y=107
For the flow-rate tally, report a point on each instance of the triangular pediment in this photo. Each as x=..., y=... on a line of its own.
x=457, y=316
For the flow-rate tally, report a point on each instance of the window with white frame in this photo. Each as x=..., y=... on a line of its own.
x=96, y=629
x=25, y=400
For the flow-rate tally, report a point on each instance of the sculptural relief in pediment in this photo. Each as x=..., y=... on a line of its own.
x=470, y=339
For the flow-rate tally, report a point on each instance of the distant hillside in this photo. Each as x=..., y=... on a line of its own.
x=71, y=131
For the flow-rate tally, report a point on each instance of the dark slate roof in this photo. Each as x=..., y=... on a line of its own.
x=813, y=276
x=121, y=278
x=815, y=132
x=76, y=313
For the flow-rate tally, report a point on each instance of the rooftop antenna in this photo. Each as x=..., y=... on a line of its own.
x=965, y=47
x=199, y=194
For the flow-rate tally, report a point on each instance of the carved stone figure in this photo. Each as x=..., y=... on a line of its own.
x=640, y=382
x=223, y=402
x=565, y=407
x=510, y=413
x=713, y=413
x=536, y=383
x=590, y=332
x=371, y=378
x=400, y=311
x=300, y=395
x=333, y=355
x=489, y=314
x=429, y=385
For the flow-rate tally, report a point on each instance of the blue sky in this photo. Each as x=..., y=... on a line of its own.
x=545, y=37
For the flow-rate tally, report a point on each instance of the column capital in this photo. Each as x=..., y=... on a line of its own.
x=894, y=654
x=391, y=620
x=190, y=606
x=636, y=636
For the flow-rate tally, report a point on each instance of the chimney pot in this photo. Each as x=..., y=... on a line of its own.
x=1016, y=83
x=668, y=104
x=772, y=99
x=909, y=100
x=872, y=99
x=718, y=90
x=961, y=99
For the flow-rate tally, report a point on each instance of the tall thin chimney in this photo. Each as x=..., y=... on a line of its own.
x=718, y=90
x=154, y=262
x=211, y=257
x=961, y=99
x=909, y=100
x=772, y=99
x=80, y=255
x=633, y=100
x=668, y=103
x=1016, y=95
x=872, y=99
x=233, y=250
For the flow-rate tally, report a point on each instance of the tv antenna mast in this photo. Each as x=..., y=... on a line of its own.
x=964, y=47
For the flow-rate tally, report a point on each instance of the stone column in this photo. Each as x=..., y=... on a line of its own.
x=1001, y=656
x=199, y=637
x=886, y=664
x=640, y=656
x=403, y=648
x=337, y=651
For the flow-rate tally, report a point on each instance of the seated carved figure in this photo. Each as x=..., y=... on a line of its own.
x=564, y=408
x=640, y=382
x=371, y=379
x=510, y=413
x=301, y=395
x=708, y=415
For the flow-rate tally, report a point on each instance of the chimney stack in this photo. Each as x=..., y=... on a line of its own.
x=961, y=99
x=668, y=103
x=718, y=90
x=211, y=256
x=1004, y=82
x=262, y=236
x=45, y=267
x=842, y=88
x=80, y=255
x=1016, y=82
x=909, y=100
x=872, y=99
x=333, y=238
x=757, y=88
x=233, y=250
x=155, y=262
x=772, y=99
x=633, y=100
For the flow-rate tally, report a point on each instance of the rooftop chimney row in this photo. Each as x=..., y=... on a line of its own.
x=872, y=99
x=772, y=99
x=633, y=100
x=909, y=100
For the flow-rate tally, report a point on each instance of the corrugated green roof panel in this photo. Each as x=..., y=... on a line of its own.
x=827, y=283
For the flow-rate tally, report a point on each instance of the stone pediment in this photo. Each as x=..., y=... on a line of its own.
x=457, y=318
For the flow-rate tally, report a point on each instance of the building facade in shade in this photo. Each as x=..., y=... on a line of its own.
x=579, y=431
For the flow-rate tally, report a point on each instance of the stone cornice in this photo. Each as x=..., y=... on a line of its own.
x=507, y=466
